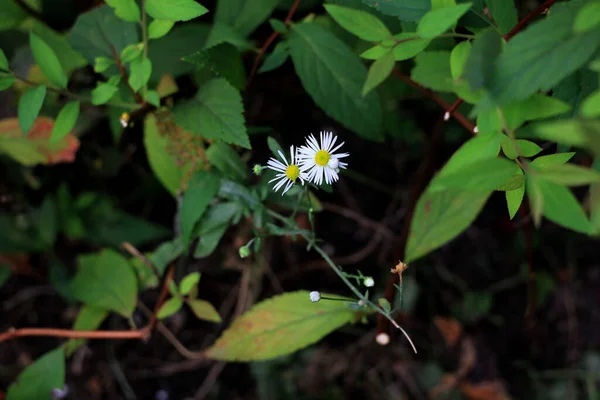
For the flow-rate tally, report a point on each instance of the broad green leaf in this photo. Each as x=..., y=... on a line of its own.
x=552, y=160
x=141, y=70
x=244, y=16
x=47, y=60
x=223, y=33
x=458, y=58
x=378, y=72
x=588, y=17
x=360, y=23
x=475, y=149
x=440, y=217
x=169, y=307
x=333, y=76
x=212, y=226
x=575, y=88
x=584, y=133
x=512, y=149
x=152, y=97
x=439, y=20
x=88, y=319
x=216, y=112
x=594, y=209
x=127, y=10
x=131, y=52
x=103, y=93
x=202, y=309
x=279, y=326
x=514, y=198
x=558, y=204
x=504, y=13
x=278, y=56
x=174, y=10
x=202, y=188
x=65, y=121
x=106, y=280
x=159, y=28
x=405, y=10
x=482, y=175
x=166, y=253
x=534, y=59
x=3, y=61
x=38, y=379
x=432, y=70
x=30, y=105
x=188, y=283
x=479, y=66
x=567, y=174
x=536, y=106
x=6, y=81
x=404, y=46
x=101, y=64
x=228, y=161
x=591, y=105
x=223, y=60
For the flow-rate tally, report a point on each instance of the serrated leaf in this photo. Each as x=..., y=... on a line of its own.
x=202, y=188
x=278, y=326
x=360, y=23
x=479, y=66
x=141, y=70
x=405, y=10
x=159, y=28
x=244, y=16
x=432, y=70
x=169, y=307
x=404, y=46
x=174, y=10
x=106, y=280
x=202, y=309
x=567, y=174
x=224, y=60
x=88, y=319
x=591, y=105
x=482, y=175
x=439, y=20
x=588, y=17
x=333, y=76
x=103, y=93
x=3, y=61
x=440, y=217
x=46, y=58
x=188, y=283
x=514, y=198
x=127, y=10
x=228, y=161
x=65, y=121
x=38, y=379
x=276, y=59
x=504, y=13
x=30, y=105
x=215, y=113
x=378, y=72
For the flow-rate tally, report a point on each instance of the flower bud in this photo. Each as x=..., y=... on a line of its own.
x=369, y=282
x=315, y=296
x=257, y=169
x=244, y=251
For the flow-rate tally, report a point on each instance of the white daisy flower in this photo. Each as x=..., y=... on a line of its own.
x=288, y=173
x=318, y=160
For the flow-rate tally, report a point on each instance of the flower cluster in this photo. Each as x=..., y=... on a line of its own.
x=314, y=162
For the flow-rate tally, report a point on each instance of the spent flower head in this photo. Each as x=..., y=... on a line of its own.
x=287, y=173
x=319, y=160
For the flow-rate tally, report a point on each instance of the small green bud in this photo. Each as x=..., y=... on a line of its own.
x=257, y=169
x=244, y=251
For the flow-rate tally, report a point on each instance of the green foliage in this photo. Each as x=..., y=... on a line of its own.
x=378, y=72
x=404, y=46
x=504, y=13
x=48, y=61
x=30, y=105
x=362, y=24
x=202, y=309
x=432, y=70
x=170, y=307
x=175, y=10
x=127, y=10
x=244, y=16
x=201, y=189
x=406, y=10
x=38, y=379
x=222, y=60
x=188, y=283
x=159, y=28
x=227, y=161
x=278, y=56
x=279, y=325
x=141, y=70
x=88, y=319
x=65, y=121
x=439, y=20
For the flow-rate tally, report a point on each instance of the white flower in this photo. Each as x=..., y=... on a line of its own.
x=288, y=173
x=318, y=160
x=315, y=296
x=369, y=282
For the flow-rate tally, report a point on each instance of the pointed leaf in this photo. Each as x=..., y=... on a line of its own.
x=551, y=160
x=48, y=61
x=378, y=72
x=479, y=66
x=360, y=23
x=439, y=20
x=38, y=379
x=174, y=10
x=591, y=105
x=141, y=70
x=6, y=82
x=188, y=283
x=228, y=161
x=405, y=45
x=278, y=326
x=405, y=10
x=514, y=198
x=244, y=16
x=65, y=121
x=204, y=310
x=475, y=149
x=276, y=59
x=169, y=307
x=3, y=61
x=159, y=28
x=88, y=319
x=127, y=10
x=202, y=188
x=103, y=93
x=30, y=105
x=482, y=175
x=567, y=174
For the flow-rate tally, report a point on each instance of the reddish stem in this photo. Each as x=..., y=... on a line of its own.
x=123, y=72
x=525, y=21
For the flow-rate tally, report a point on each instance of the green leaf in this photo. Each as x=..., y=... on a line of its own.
x=504, y=13
x=512, y=149
x=88, y=319
x=48, y=61
x=228, y=161
x=65, y=121
x=479, y=67
x=165, y=253
x=152, y=97
x=475, y=149
x=212, y=226
x=594, y=211
x=482, y=175
x=378, y=72
x=439, y=20
x=278, y=326
x=3, y=61
x=131, y=52
x=159, y=28
x=591, y=105
x=174, y=10
x=169, y=307
x=584, y=133
x=534, y=59
x=587, y=18
x=6, y=81
x=360, y=23
x=101, y=64
x=202, y=188
x=440, y=217
x=536, y=106
x=30, y=105
x=405, y=10
x=127, y=10
x=383, y=303
x=106, y=280
x=216, y=112
x=404, y=46
x=333, y=76
x=278, y=56
x=552, y=160
x=514, y=198
x=567, y=174
x=558, y=204
x=141, y=70
x=103, y=93
x=242, y=15
x=204, y=310
x=458, y=58
x=38, y=379
x=223, y=60
x=432, y=70
x=188, y=283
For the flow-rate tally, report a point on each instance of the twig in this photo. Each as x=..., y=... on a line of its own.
x=525, y=21
x=123, y=72
x=269, y=41
x=136, y=253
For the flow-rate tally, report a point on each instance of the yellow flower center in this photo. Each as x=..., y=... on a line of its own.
x=322, y=158
x=292, y=172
